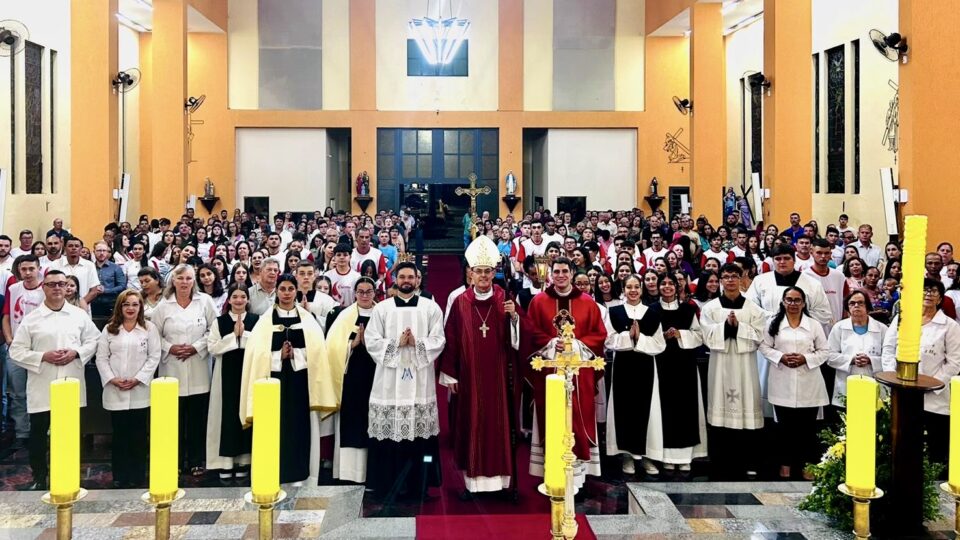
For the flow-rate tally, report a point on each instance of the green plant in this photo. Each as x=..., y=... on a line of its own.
x=831, y=472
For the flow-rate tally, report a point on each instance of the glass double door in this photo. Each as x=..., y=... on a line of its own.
x=420, y=169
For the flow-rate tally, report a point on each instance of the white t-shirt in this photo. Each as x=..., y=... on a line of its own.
x=85, y=272
x=341, y=288
x=19, y=302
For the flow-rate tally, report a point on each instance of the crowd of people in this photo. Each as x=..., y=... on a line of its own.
x=709, y=332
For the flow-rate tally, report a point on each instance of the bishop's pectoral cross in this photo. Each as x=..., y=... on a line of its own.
x=473, y=192
x=484, y=328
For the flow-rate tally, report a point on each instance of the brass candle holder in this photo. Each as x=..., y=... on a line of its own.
x=955, y=493
x=64, y=505
x=861, y=508
x=265, y=514
x=161, y=505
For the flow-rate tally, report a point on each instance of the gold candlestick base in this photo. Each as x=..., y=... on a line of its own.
x=162, y=504
x=955, y=493
x=64, y=511
x=265, y=512
x=861, y=509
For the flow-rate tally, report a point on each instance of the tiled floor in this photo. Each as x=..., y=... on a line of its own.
x=711, y=510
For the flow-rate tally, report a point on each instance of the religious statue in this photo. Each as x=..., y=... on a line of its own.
x=511, y=184
x=360, y=185
x=363, y=184
x=208, y=189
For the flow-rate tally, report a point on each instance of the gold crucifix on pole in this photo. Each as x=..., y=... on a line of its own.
x=473, y=192
x=563, y=525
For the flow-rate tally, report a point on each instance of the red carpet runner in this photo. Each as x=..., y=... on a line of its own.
x=487, y=515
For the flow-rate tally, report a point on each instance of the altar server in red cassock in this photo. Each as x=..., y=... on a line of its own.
x=483, y=335
x=562, y=302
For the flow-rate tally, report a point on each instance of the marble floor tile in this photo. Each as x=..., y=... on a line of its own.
x=700, y=499
x=301, y=516
x=243, y=517
x=394, y=528
x=704, y=526
x=704, y=511
x=19, y=521
x=203, y=518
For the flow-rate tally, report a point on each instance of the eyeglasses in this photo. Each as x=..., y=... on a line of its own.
x=931, y=292
x=856, y=303
x=793, y=301
x=55, y=284
x=365, y=292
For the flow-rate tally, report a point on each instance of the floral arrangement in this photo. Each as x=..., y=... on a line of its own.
x=831, y=471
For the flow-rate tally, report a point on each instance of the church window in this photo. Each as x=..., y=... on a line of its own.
x=836, y=120
x=33, y=116
x=816, y=123
x=856, y=116
x=418, y=66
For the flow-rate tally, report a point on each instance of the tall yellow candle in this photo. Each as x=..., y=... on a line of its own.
x=64, y=439
x=911, y=294
x=953, y=477
x=861, y=434
x=556, y=395
x=164, y=437
x=265, y=479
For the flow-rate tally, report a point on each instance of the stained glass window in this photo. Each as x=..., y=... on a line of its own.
x=756, y=124
x=33, y=114
x=816, y=123
x=856, y=116
x=836, y=120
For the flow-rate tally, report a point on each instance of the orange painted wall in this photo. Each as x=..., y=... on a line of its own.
x=213, y=152
x=709, y=122
x=659, y=12
x=929, y=84
x=146, y=124
x=667, y=75
x=788, y=110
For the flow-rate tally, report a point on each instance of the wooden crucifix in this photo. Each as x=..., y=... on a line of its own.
x=473, y=192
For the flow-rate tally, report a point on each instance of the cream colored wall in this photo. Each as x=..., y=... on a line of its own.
x=537, y=55
x=744, y=56
x=128, y=56
x=580, y=158
x=836, y=23
x=476, y=92
x=287, y=165
x=243, y=55
x=50, y=29
x=336, y=54
x=628, y=56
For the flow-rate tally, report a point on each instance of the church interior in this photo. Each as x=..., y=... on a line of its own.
x=114, y=109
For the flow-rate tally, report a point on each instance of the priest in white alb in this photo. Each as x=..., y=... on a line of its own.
x=404, y=337
x=477, y=365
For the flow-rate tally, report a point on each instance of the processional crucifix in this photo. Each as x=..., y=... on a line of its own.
x=567, y=363
x=473, y=192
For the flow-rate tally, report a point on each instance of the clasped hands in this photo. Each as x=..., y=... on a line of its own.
x=124, y=384
x=861, y=360
x=59, y=357
x=407, y=339
x=793, y=360
x=182, y=352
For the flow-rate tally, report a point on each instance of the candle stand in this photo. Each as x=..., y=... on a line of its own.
x=955, y=493
x=861, y=508
x=162, y=504
x=64, y=505
x=907, y=440
x=266, y=507
x=563, y=524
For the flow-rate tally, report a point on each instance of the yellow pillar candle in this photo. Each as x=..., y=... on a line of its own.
x=64, y=439
x=265, y=480
x=556, y=407
x=954, y=471
x=911, y=294
x=164, y=437
x=861, y=434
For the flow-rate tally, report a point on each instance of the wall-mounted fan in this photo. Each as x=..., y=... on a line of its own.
x=13, y=37
x=892, y=46
x=191, y=105
x=683, y=105
x=126, y=80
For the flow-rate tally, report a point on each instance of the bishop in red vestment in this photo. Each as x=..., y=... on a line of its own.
x=563, y=300
x=483, y=336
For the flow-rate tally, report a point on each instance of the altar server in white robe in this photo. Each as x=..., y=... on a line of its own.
x=856, y=344
x=733, y=329
x=52, y=342
x=404, y=337
x=183, y=318
x=766, y=291
x=128, y=354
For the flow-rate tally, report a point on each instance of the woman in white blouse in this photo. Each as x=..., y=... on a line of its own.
x=856, y=344
x=132, y=267
x=183, y=318
x=796, y=347
x=939, y=358
x=127, y=357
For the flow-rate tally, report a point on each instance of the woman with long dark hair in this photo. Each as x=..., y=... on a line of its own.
x=651, y=288
x=796, y=347
x=708, y=288
x=607, y=291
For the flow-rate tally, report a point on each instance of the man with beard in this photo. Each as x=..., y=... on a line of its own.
x=560, y=303
x=404, y=337
x=482, y=334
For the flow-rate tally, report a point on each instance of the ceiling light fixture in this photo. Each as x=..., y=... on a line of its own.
x=743, y=23
x=439, y=38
